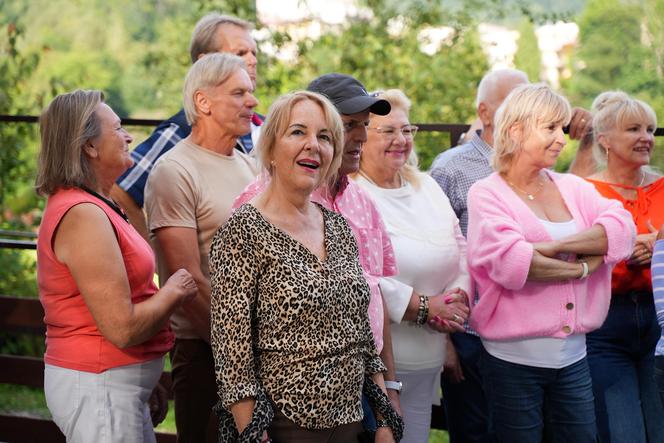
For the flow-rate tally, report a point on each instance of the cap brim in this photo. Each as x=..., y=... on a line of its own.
x=364, y=103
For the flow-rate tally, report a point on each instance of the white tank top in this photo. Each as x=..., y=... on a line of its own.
x=543, y=352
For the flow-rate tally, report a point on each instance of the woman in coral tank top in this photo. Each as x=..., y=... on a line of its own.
x=106, y=322
x=621, y=352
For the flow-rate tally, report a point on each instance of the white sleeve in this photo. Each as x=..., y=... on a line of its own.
x=397, y=296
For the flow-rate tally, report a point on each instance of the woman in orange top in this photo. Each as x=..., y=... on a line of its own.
x=621, y=352
x=106, y=322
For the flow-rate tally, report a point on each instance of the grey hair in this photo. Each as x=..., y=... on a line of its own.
x=209, y=71
x=491, y=81
x=204, y=37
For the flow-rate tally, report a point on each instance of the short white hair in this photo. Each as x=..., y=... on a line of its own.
x=492, y=81
x=209, y=71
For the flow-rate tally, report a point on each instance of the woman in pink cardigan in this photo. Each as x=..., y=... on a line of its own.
x=541, y=247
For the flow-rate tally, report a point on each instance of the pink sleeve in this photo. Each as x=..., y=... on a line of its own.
x=252, y=190
x=497, y=248
x=389, y=260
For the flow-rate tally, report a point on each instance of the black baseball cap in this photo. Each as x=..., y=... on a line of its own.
x=348, y=95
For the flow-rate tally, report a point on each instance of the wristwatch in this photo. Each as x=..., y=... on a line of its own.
x=393, y=385
x=382, y=423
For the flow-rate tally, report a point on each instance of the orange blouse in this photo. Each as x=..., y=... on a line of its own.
x=649, y=205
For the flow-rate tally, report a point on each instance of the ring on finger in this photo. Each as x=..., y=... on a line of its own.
x=457, y=318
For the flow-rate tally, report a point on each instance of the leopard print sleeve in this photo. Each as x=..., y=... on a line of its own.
x=233, y=276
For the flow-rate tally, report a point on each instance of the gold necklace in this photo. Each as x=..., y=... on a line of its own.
x=531, y=196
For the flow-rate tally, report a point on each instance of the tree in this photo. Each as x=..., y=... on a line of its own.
x=528, y=57
x=620, y=48
x=383, y=48
x=602, y=62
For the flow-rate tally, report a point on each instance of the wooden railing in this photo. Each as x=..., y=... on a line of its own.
x=25, y=315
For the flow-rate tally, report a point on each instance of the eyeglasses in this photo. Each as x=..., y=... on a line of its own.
x=391, y=132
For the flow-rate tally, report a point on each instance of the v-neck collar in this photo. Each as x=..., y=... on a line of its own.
x=291, y=239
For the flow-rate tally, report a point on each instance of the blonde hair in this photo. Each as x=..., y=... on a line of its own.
x=527, y=106
x=209, y=71
x=276, y=124
x=204, y=38
x=399, y=100
x=610, y=110
x=65, y=126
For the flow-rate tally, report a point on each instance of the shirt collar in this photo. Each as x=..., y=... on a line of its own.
x=483, y=147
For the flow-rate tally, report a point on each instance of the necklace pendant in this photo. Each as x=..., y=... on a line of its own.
x=531, y=197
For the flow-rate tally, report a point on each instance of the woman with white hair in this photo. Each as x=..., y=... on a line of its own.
x=621, y=352
x=541, y=246
x=429, y=295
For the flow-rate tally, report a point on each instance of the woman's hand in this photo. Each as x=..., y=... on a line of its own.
x=643, y=247
x=448, y=311
x=384, y=435
x=183, y=285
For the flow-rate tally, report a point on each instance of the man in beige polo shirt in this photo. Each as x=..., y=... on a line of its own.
x=189, y=195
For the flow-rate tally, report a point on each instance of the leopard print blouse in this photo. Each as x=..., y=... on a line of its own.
x=289, y=329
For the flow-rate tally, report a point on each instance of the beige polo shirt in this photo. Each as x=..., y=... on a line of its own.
x=193, y=187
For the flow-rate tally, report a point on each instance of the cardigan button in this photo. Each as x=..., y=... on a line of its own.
x=567, y=329
x=569, y=306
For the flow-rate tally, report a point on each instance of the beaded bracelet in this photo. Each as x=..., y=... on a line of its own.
x=422, y=311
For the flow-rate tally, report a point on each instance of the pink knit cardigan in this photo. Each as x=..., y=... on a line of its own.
x=501, y=231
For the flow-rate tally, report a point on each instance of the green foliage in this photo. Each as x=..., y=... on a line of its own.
x=15, y=71
x=603, y=62
x=385, y=51
x=620, y=48
x=25, y=399
x=528, y=57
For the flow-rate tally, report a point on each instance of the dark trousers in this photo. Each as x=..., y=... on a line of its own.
x=659, y=376
x=528, y=404
x=195, y=391
x=621, y=355
x=283, y=430
x=465, y=402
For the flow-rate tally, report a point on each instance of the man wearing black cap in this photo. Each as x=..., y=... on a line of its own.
x=354, y=104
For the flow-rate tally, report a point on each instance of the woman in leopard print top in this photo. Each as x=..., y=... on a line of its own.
x=290, y=331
